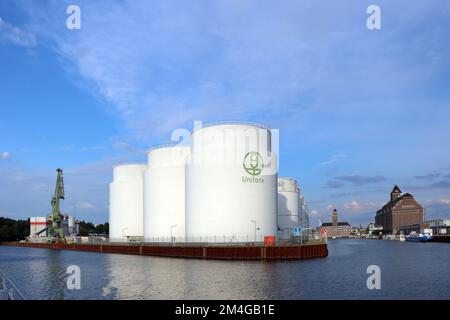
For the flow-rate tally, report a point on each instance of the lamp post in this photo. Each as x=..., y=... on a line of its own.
x=171, y=227
x=254, y=221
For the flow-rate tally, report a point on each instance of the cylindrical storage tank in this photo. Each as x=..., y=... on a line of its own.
x=301, y=210
x=126, y=202
x=164, y=194
x=288, y=207
x=71, y=222
x=305, y=216
x=303, y=213
x=231, y=184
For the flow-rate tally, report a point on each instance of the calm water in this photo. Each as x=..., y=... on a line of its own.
x=408, y=271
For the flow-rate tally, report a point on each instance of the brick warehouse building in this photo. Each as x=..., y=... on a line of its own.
x=337, y=229
x=401, y=210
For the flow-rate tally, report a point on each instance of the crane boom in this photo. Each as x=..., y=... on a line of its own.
x=54, y=221
x=59, y=192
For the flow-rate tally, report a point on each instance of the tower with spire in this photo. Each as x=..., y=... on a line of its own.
x=336, y=228
x=335, y=218
x=401, y=214
x=395, y=193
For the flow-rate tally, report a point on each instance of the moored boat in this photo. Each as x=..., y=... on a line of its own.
x=419, y=237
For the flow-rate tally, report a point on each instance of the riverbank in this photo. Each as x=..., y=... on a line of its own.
x=282, y=252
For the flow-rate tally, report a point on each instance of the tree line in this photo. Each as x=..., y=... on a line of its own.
x=17, y=230
x=14, y=230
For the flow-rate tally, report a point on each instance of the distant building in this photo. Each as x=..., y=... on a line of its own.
x=401, y=210
x=358, y=232
x=373, y=229
x=38, y=227
x=439, y=226
x=414, y=228
x=337, y=229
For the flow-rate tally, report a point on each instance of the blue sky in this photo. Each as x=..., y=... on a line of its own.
x=358, y=110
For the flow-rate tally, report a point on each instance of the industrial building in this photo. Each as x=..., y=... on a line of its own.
x=39, y=227
x=402, y=210
x=439, y=226
x=56, y=225
x=222, y=187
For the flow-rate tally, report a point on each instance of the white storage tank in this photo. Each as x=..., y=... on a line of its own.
x=71, y=224
x=231, y=184
x=164, y=193
x=126, y=204
x=305, y=222
x=288, y=207
x=303, y=212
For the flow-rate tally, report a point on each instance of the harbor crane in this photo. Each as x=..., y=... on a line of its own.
x=54, y=227
x=58, y=225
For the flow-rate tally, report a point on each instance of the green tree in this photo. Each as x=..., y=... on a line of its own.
x=16, y=230
x=13, y=230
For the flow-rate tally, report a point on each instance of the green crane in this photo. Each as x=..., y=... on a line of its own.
x=55, y=230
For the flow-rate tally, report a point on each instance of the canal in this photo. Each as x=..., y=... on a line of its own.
x=408, y=271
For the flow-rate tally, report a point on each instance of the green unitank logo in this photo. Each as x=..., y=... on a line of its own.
x=253, y=163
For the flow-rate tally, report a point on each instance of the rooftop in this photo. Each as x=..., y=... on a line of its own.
x=340, y=224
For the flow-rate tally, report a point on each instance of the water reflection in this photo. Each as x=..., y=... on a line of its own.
x=409, y=271
x=137, y=277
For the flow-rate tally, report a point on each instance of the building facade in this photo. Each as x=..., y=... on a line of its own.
x=336, y=229
x=38, y=226
x=401, y=210
x=439, y=226
x=374, y=230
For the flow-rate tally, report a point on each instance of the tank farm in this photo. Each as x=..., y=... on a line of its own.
x=217, y=196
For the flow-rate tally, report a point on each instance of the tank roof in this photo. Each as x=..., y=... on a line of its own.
x=167, y=145
x=232, y=122
x=287, y=178
x=129, y=164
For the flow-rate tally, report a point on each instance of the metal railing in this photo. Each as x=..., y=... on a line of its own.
x=307, y=237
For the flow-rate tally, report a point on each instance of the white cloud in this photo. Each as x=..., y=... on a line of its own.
x=85, y=205
x=15, y=35
x=314, y=213
x=334, y=158
x=5, y=155
x=444, y=201
x=353, y=205
x=163, y=64
x=356, y=206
